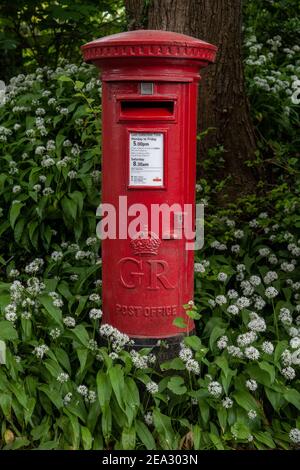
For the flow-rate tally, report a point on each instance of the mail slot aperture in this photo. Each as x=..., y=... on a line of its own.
x=147, y=109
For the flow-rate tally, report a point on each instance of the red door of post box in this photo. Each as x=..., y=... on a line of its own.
x=150, y=82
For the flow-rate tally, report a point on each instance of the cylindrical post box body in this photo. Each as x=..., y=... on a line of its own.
x=149, y=123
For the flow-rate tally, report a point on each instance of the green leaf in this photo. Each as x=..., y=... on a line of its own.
x=5, y=404
x=175, y=364
x=196, y=432
x=261, y=376
x=177, y=386
x=128, y=438
x=193, y=342
x=20, y=442
x=54, y=312
x=116, y=376
x=204, y=410
x=39, y=431
x=106, y=423
x=75, y=430
x=131, y=394
x=7, y=331
x=281, y=346
x=222, y=417
x=265, y=438
x=64, y=78
x=268, y=368
x=275, y=398
x=69, y=207
x=52, y=367
x=77, y=197
x=15, y=212
x=145, y=435
x=86, y=438
x=81, y=334
x=216, y=441
x=240, y=430
x=245, y=400
x=19, y=228
x=193, y=314
x=216, y=333
x=33, y=233
x=179, y=322
x=82, y=354
x=292, y=396
x=53, y=395
x=104, y=389
x=163, y=425
x=29, y=410
x=49, y=445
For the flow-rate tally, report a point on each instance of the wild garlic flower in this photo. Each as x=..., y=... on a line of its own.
x=40, y=351
x=185, y=354
x=267, y=347
x=67, y=398
x=252, y=353
x=233, y=309
x=271, y=292
x=232, y=294
x=94, y=298
x=251, y=384
x=270, y=276
x=95, y=313
x=63, y=377
x=152, y=387
x=227, y=403
x=255, y=280
x=148, y=418
x=246, y=338
x=222, y=277
x=222, y=342
x=70, y=322
x=252, y=414
x=215, y=389
x=243, y=302
x=192, y=365
x=294, y=435
x=258, y=324
x=82, y=390
x=289, y=373
x=221, y=299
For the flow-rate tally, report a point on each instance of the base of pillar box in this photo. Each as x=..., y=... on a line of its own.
x=163, y=348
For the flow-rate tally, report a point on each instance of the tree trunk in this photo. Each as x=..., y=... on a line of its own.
x=223, y=104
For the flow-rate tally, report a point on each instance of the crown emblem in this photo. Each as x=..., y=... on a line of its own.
x=145, y=243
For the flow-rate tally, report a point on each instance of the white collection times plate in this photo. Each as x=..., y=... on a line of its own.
x=146, y=159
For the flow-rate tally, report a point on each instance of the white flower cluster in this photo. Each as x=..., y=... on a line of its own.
x=148, y=418
x=88, y=395
x=117, y=339
x=57, y=301
x=40, y=351
x=294, y=435
x=152, y=387
x=95, y=314
x=35, y=266
x=251, y=384
x=215, y=389
x=218, y=246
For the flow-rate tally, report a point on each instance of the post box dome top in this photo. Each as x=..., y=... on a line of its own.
x=149, y=43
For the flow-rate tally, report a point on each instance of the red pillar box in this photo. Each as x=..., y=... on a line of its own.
x=149, y=102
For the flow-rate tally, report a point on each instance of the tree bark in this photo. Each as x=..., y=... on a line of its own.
x=223, y=104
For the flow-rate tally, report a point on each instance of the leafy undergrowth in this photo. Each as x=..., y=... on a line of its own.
x=233, y=385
